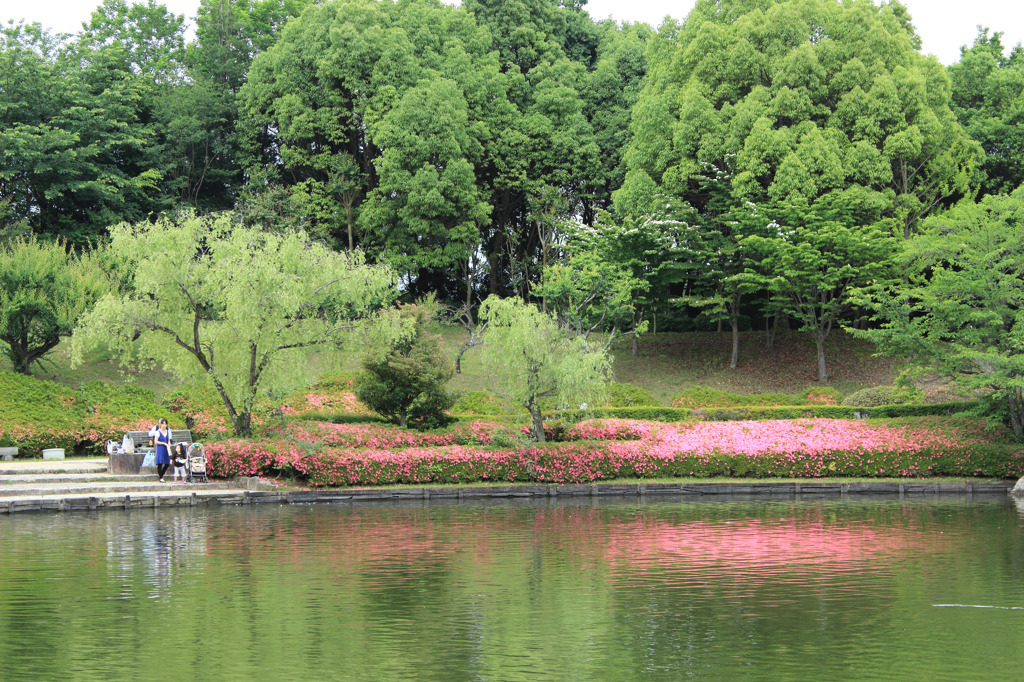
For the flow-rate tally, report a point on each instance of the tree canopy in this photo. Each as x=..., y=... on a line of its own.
x=44, y=289
x=757, y=159
x=235, y=307
x=531, y=357
x=962, y=307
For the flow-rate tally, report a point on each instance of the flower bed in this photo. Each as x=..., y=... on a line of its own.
x=800, y=448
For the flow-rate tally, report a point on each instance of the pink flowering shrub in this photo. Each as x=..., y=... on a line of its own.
x=822, y=395
x=611, y=429
x=334, y=394
x=351, y=455
x=381, y=435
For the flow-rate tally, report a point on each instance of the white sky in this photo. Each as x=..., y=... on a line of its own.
x=944, y=25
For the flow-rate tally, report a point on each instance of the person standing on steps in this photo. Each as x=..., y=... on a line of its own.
x=161, y=436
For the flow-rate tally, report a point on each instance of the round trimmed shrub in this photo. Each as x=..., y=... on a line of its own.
x=628, y=395
x=879, y=395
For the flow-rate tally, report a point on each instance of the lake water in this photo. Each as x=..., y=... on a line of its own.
x=616, y=589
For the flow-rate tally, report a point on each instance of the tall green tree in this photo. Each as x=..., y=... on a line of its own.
x=350, y=81
x=961, y=307
x=44, y=289
x=546, y=49
x=609, y=91
x=988, y=98
x=426, y=211
x=811, y=260
x=796, y=103
x=75, y=135
x=152, y=38
x=588, y=294
x=235, y=307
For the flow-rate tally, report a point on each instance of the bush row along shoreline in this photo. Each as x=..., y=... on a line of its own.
x=629, y=449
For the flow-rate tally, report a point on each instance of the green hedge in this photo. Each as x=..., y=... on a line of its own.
x=628, y=395
x=674, y=414
x=877, y=396
x=701, y=397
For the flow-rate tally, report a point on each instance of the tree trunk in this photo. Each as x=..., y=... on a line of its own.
x=403, y=418
x=636, y=345
x=735, y=324
x=243, y=423
x=1017, y=415
x=819, y=341
x=537, y=421
x=774, y=329
x=26, y=356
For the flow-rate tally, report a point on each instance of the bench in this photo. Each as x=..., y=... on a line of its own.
x=132, y=463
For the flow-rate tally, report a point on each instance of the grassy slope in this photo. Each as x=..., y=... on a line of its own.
x=56, y=366
x=668, y=363
x=672, y=362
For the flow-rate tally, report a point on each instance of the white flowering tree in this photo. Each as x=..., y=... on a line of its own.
x=238, y=308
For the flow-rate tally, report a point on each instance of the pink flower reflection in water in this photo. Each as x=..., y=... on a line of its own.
x=765, y=548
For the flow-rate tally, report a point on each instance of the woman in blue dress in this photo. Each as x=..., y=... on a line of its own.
x=161, y=435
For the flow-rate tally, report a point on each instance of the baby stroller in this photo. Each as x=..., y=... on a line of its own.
x=197, y=464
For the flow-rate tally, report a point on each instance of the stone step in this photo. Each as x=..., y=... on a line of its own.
x=100, y=477
x=60, y=466
x=90, y=488
x=179, y=496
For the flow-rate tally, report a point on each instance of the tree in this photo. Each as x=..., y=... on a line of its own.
x=609, y=92
x=235, y=307
x=405, y=377
x=988, y=98
x=44, y=289
x=588, y=294
x=653, y=246
x=529, y=357
x=150, y=36
x=426, y=210
x=75, y=140
x=811, y=260
x=449, y=140
x=962, y=305
x=789, y=103
x=375, y=114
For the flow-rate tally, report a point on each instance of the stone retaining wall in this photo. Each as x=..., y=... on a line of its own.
x=766, y=489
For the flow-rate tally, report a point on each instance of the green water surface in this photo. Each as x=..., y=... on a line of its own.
x=620, y=589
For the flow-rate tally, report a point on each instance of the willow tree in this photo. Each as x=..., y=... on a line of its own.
x=235, y=307
x=528, y=357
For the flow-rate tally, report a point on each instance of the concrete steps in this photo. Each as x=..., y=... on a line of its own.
x=86, y=484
